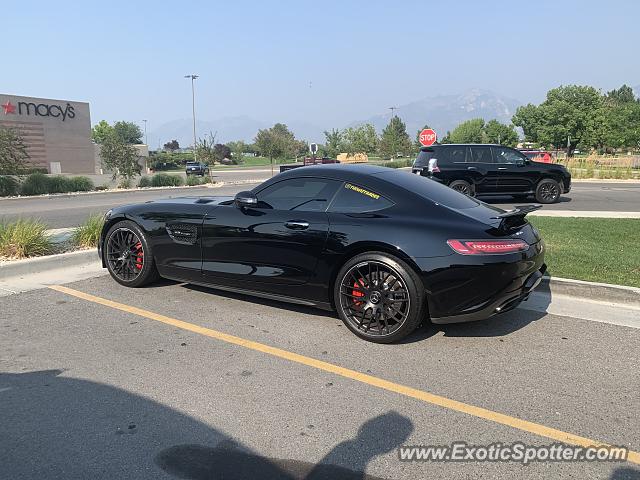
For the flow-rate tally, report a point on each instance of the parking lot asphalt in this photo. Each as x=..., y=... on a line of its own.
x=178, y=381
x=70, y=211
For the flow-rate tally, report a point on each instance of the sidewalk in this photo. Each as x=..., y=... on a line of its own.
x=583, y=213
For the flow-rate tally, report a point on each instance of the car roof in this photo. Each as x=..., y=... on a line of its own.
x=439, y=145
x=336, y=170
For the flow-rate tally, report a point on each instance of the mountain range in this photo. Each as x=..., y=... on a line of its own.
x=442, y=113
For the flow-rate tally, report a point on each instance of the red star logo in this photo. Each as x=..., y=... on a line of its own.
x=8, y=108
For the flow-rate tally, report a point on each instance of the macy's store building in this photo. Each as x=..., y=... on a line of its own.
x=57, y=133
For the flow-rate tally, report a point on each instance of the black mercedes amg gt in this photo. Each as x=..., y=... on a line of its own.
x=385, y=248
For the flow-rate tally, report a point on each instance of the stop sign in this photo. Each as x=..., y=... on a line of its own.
x=428, y=137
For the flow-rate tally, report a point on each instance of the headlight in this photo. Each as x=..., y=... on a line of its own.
x=107, y=215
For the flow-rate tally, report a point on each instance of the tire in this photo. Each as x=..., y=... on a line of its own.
x=463, y=186
x=128, y=255
x=548, y=191
x=393, y=297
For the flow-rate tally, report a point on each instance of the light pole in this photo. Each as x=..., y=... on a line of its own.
x=193, y=108
x=146, y=142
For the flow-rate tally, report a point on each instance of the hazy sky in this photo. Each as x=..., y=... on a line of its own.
x=128, y=58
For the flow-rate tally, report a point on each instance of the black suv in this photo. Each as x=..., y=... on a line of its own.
x=197, y=168
x=492, y=170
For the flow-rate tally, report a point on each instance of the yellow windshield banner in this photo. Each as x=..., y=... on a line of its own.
x=375, y=196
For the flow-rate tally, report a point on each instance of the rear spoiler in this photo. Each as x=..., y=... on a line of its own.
x=514, y=218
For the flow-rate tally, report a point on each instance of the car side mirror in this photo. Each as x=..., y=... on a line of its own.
x=245, y=199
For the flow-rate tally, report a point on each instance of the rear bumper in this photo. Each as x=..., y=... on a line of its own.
x=502, y=302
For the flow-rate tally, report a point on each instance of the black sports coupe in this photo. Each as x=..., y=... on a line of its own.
x=385, y=248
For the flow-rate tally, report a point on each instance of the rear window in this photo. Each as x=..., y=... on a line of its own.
x=429, y=189
x=192, y=164
x=423, y=157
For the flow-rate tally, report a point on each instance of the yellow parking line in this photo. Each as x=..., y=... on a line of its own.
x=496, y=417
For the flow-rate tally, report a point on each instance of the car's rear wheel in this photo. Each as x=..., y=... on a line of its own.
x=128, y=255
x=379, y=297
x=463, y=186
x=548, y=191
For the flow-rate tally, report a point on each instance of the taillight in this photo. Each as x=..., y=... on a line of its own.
x=483, y=247
x=433, y=166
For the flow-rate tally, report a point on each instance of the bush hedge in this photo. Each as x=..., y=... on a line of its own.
x=39, y=184
x=9, y=186
x=166, y=180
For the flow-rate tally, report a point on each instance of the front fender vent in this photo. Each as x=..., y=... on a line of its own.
x=184, y=233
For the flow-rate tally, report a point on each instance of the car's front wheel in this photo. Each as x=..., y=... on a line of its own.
x=128, y=255
x=548, y=191
x=379, y=297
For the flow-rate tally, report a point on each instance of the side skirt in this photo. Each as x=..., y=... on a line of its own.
x=268, y=296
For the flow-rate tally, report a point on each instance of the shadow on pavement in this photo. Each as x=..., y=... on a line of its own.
x=59, y=427
x=625, y=473
x=496, y=326
x=508, y=200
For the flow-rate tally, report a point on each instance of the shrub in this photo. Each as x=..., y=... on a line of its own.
x=35, y=184
x=88, y=234
x=58, y=184
x=102, y=187
x=193, y=180
x=125, y=183
x=166, y=180
x=24, y=238
x=404, y=162
x=8, y=186
x=81, y=184
x=144, y=182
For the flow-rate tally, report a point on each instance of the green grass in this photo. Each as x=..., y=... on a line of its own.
x=88, y=234
x=592, y=249
x=24, y=238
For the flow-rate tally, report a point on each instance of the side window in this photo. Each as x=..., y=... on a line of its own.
x=356, y=199
x=481, y=155
x=301, y=194
x=458, y=154
x=507, y=155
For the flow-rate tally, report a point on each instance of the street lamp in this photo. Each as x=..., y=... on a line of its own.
x=146, y=142
x=193, y=108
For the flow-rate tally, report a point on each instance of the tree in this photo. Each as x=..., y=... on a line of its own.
x=565, y=118
x=333, y=140
x=362, y=139
x=119, y=157
x=238, y=149
x=394, y=138
x=13, y=152
x=221, y=152
x=128, y=132
x=205, y=149
x=275, y=142
x=172, y=146
x=622, y=95
x=100, y=131
x=500, y=133
x=471, y=131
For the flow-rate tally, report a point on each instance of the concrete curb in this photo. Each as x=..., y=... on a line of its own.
x=29, y=266
x=593, y=291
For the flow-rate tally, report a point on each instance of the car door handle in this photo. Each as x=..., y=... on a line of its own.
x=296, y=225
x=472, y=168
x=502, y=168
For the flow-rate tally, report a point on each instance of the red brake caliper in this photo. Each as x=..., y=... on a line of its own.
x=358, y=292
x=139, y=256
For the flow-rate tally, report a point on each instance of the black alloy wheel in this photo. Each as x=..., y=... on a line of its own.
x=377, y=298
x=462, y=187
x=127, y=255
x=548, y=191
